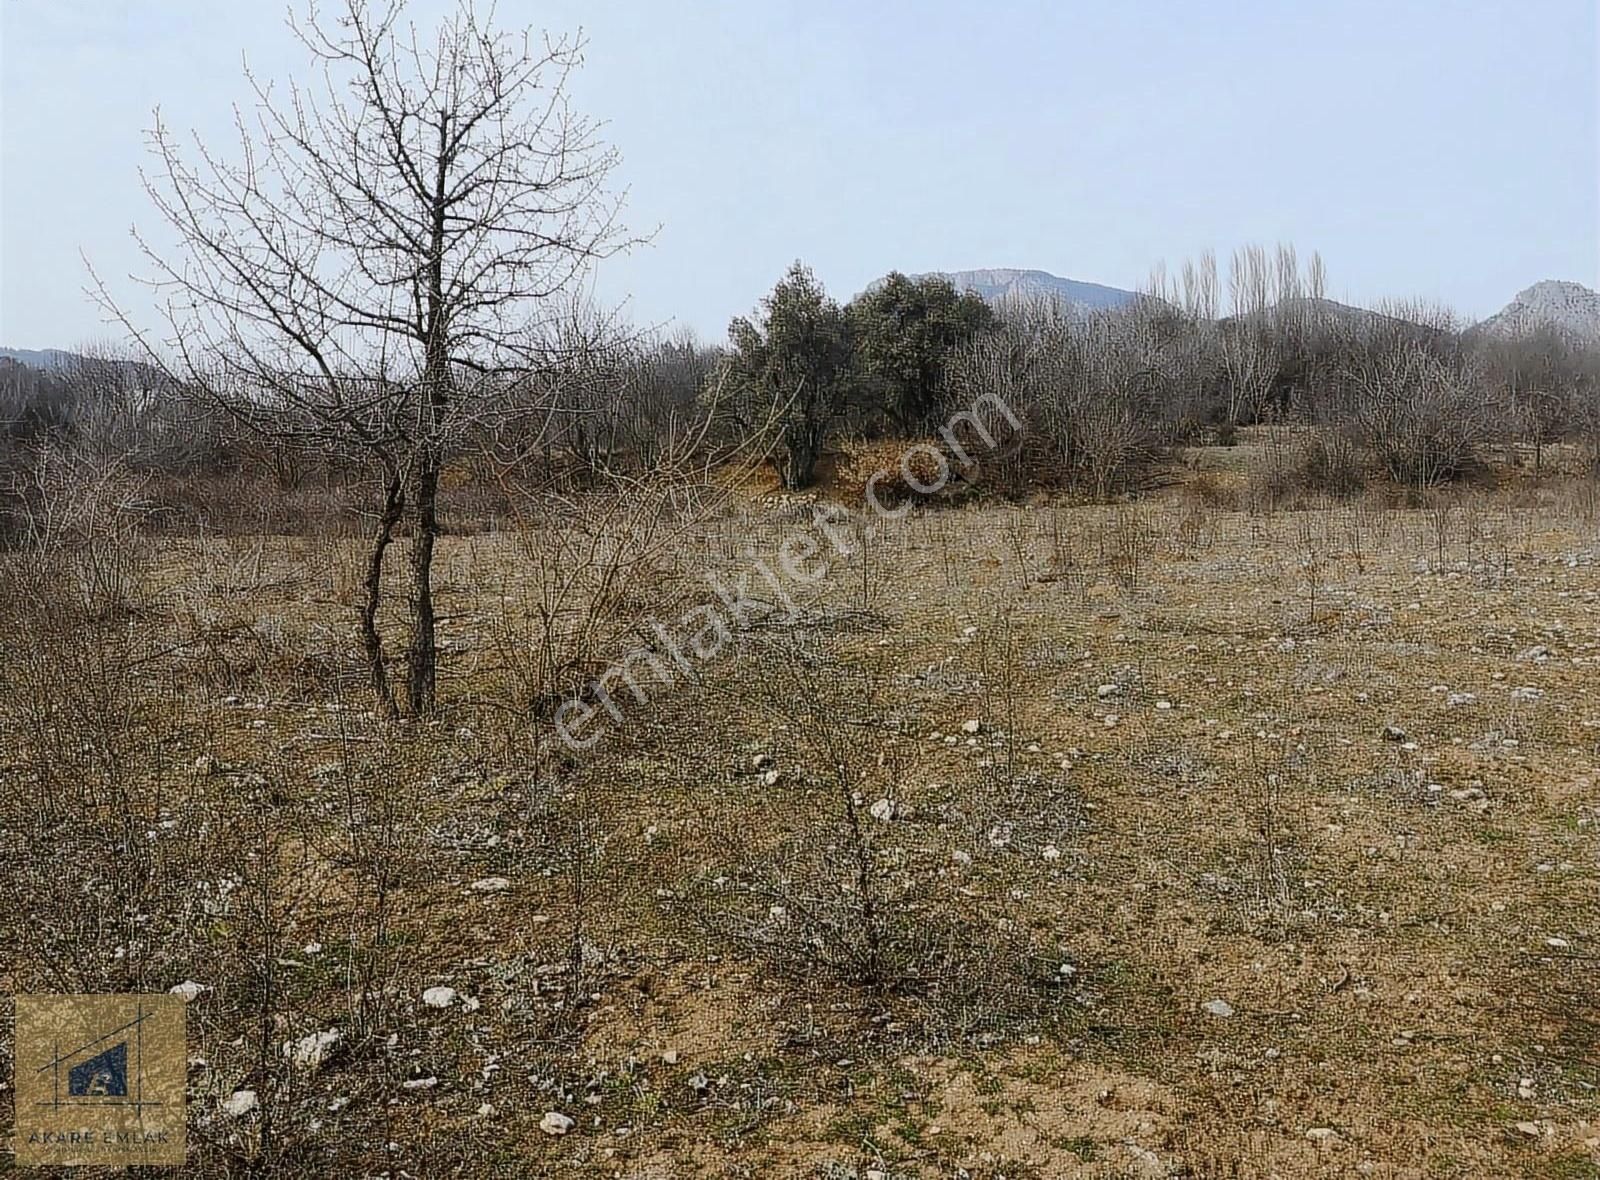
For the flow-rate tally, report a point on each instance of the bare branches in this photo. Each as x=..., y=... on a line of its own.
x=413, y=193
x=373, y=266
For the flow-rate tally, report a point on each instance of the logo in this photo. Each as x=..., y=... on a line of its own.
x=100, y=1080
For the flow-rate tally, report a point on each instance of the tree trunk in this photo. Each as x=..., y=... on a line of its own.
x=422, y=660
x=804, y=447
x=393, y=503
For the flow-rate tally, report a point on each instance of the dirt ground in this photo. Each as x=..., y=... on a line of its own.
x=1202, y=843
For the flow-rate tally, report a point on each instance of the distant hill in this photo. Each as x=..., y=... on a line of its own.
x=1571, y=309
x=40, y=358
x=1333, y=314
x=60, y=363
x=1002, y=285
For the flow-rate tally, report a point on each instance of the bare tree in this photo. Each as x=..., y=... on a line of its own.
x=1421, y=412
x=1083, y=383
x=1540, y=375
x=1249, y=339
x=1275, y=309
x=369, y=269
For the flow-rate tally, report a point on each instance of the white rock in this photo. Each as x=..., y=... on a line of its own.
x=1163, y=705
x=311, y=1051
x=883, y=810
x=772, y=778
x=669, y=1057
x=1051, y=852
x=1146, y=1163
x=555, y=1123
x=1107, y=690
x=1321, y=1134
x=1218, y=1008
x=419, y=1084
x=761, y=761
x=439, y=997
x=1110, y=720
x=238, y=1104
x=188, y=989
x=971, y=726
x=490, y=885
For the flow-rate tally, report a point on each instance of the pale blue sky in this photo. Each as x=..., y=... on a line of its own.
x=1443, y=149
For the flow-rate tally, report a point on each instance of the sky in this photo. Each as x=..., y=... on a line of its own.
x=1436, y=149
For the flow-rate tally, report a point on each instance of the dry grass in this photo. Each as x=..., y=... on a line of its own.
x=1405, y=930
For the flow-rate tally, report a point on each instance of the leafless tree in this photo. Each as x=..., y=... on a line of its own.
x=1249, y=341
x=1083, y=384
x=1541, y=378
x=1421, y=413
x=368, y=270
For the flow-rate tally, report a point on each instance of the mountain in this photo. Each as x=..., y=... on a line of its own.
x=1571, y=309
x=40, y=358
x=1332, y=314
x=1002, y=285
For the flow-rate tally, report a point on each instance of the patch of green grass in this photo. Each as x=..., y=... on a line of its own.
x=1568, y=1167
x=1488, y=834
x=1086, y=1149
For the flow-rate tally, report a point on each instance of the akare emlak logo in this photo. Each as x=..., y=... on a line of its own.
x=100, y=1080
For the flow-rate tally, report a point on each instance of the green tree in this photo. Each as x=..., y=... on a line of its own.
x=792, y=366
x=904, y=330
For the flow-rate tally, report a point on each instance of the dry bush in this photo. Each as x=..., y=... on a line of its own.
x=589, y=571
x=886, y=462
x=1300, y=465
x=1329, y=462
x=1081, y=387
x=1211, y=490
x=838, y=886
x=1421, y=414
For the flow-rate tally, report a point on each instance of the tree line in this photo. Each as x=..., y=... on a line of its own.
x=1405, y=392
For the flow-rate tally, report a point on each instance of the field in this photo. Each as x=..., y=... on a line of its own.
x=1030, y=840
